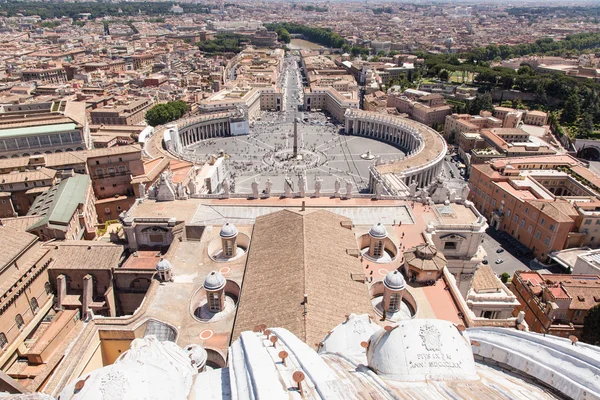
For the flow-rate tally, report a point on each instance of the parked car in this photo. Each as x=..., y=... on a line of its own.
x=499, y=250
x=499, y=261
x=485, y=262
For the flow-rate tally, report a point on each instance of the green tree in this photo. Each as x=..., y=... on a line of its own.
x=505, y=277
x=586, y=125
x=591, y=326
x=283, y=35
x=160, y=114
x=444, y=75
x=571, y=109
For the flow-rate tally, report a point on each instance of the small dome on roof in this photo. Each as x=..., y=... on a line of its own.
x=228, y=231
x=163, y=265
x=197, y=354
x=394, y=281
x=378, y=231
x=214, y=281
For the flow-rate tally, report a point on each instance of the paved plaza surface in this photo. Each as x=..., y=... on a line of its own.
x=326, y=154
x=266, y=153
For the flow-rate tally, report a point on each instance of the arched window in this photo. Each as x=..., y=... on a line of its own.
x=47, y=287
x=34, y=305
x=3, y=340
x=19, y=321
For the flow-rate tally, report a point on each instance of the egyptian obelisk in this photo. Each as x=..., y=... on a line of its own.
x=295, y=153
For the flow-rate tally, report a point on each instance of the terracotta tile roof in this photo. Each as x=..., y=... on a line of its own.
x=425, y=257
x=297, y=253
x=13, y=242
x=78, y=254
x=20, y=223
x=486, y=280
x=584, y=296
x=35, y=175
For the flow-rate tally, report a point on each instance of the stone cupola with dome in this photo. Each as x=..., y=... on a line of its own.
x=393, y=289
x=423, y=263
x=377, y=235
x=228, y=236
x=214, y=285
x=164, y=270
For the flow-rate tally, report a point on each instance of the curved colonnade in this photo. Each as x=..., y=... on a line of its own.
x=188, y=131
x=210, y=126
x=425, y=147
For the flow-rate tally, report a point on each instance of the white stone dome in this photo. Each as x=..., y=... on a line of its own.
x=345, y=339
x=197, y=354
x=163, y=265
x=228, y=231
x=378, y=231
x=150, y=369
x=394, y=281
x=214, y=281
x=422, y=349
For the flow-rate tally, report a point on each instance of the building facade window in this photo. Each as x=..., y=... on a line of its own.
x=378, y=250
x=47, y=288
x=3, y=340
x=34, y=305
x=215, y=302
x=394, y=302
x=19, y=321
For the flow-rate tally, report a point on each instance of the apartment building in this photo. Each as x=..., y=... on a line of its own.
x=26, y=297
x=20, y=189
x=330, y=100
x=426, y=108
x=66, y=211
x=129, y=113
x=46, y=75
x=555, y=304
x=250, y=100
x=112, y=169
x=511, y=118
x=543, y=202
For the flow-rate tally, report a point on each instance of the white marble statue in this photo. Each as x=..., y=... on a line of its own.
x=337, y=186
x=302, y=185
x=268, y=186
x=413, y=189
x=165, y=191
x=288, y=187
x=465, y=192
x=192, y=188
x=348, y=189
x=181, y=194
x=318, y=183
x=142, y=190
x=452, y=196
x=255, y=188
x=226, y=189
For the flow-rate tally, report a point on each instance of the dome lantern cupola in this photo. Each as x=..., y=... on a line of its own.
x=377, y=237
x=393, y=289
x=164, y=270
x=228, y=236
x=214, y=284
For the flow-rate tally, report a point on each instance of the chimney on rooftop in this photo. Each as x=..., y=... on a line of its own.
x=303, y=205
